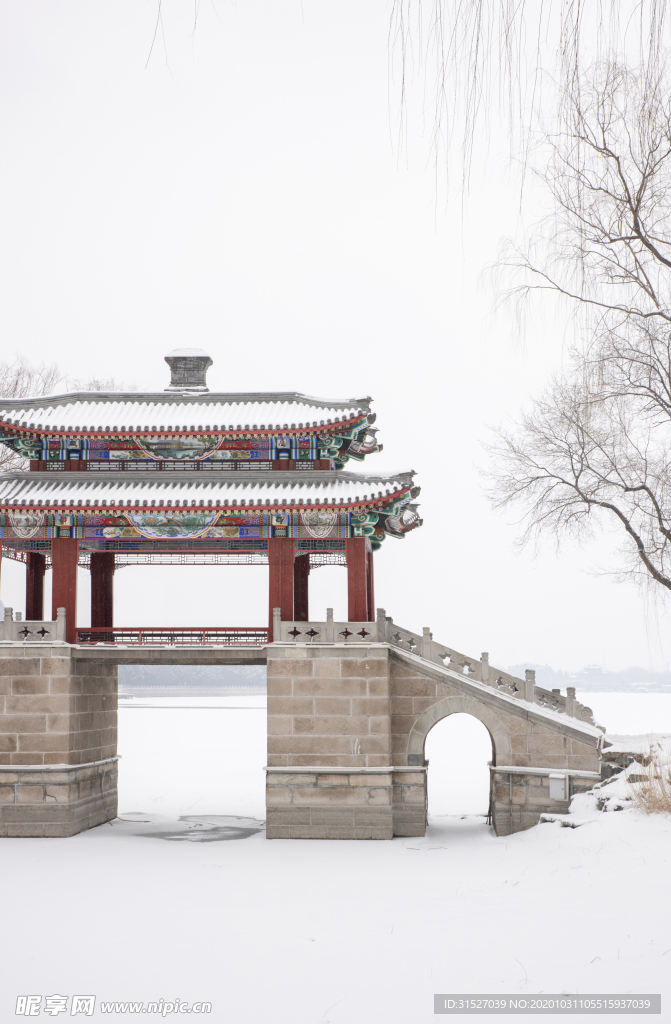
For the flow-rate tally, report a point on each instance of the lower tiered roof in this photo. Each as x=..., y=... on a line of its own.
x=289, y=489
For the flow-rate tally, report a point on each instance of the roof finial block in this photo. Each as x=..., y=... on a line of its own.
x=188, y=369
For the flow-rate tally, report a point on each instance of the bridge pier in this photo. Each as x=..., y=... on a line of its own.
x=330, y=773
x=58, y=764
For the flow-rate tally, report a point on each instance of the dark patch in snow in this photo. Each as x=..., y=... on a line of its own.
x=190, y=828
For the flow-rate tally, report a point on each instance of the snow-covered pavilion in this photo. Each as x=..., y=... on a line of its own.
x=190, y=476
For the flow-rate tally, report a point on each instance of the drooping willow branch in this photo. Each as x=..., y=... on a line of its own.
x=482, y=59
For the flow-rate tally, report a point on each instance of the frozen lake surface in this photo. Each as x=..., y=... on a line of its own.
x=184, y=898
x=185, y=755
x=190, y=755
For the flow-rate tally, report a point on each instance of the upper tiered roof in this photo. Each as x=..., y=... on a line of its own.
x=127, y=413
x=185, y=407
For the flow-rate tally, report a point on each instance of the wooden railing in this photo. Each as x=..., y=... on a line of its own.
x=175, y=636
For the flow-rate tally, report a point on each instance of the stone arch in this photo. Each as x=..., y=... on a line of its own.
x=501, y=745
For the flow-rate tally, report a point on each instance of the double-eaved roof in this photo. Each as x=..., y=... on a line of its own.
x=279, y=450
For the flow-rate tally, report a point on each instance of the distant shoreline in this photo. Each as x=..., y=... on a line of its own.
x=204, y=680
x=597, y=680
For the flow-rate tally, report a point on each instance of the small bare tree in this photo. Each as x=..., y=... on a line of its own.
x=21, y=379
x=596, y=447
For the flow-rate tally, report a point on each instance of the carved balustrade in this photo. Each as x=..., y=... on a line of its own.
x=329, y=632
x=18, y=630
x=385, y=630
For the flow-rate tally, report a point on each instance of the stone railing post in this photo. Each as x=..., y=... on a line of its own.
x=277, y=624
x=330, y=628
x=484, y=663
x=381, y=620
x=7, y=629
x=60, y=624
x=427, y=642
x=570, y=701
x=529, y=684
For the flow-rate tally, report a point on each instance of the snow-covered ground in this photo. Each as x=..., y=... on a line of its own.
x=312, y=932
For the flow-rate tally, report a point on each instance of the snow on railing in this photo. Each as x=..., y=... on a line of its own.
x=385, y=630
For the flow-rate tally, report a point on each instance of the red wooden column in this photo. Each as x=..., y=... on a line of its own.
x=357, y=579
x=64, y=556
x=370, y=586
x=36, y=565
x=281, y=573
x=301, y=577
x=102, y=588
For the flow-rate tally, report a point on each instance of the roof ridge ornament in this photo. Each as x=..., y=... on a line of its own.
x=188, y=369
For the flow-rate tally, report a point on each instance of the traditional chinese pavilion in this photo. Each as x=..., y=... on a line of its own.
x=191, y=476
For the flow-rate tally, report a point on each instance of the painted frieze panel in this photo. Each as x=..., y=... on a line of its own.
x=178, y=448
x=342, y=443
x=322, y=523
x=395, y=520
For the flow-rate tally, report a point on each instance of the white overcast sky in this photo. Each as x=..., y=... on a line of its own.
x=244, y=193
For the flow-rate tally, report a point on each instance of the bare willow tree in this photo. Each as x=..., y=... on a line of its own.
x=483, y=59
x=595, y=449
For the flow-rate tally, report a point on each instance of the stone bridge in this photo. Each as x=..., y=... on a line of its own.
x=350, y=705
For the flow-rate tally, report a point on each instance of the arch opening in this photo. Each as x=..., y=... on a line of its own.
x=458, y=749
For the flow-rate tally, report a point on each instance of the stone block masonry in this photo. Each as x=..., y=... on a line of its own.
x=329, y=706
x=57, y=801
x=58, y=740
x=55, y=709
x=332, y=803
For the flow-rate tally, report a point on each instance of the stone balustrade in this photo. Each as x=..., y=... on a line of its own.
x=18, y=630
x=385, y=630
x=329, y=632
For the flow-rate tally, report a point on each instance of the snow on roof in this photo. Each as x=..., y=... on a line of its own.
x=319, y=487
x=185, y=353
x=130, y=412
